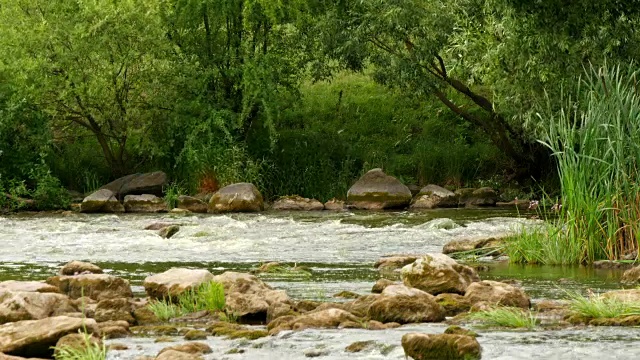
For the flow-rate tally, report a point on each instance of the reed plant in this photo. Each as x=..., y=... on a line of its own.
x=595, y=139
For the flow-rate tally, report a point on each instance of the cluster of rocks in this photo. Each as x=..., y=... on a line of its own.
x=375, y=190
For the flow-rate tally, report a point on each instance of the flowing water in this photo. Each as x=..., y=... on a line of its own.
x=339, y=249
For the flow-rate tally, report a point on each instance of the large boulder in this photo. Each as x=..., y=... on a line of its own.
x=403, y=305
x=297, y=203
x=241, y=197
x=79, y=267
x=192, y=204
x=434, y=196
x=438, y=273
x=19, y=305
x=248, y=297
x=138, y=184
x=441, y=346
x=484, y=196
x=103, y=201
x=631, y=276
x=175, y=281
x=35, y=338
x=376, y=190
x=27, y=286
x=497, y=293
x=145, y=203
x=96, y=286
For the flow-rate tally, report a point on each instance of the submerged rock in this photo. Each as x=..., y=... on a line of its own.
x=80, y=267
x=433, y=196
x=174, y=282
x=241, y=197
x=192, y=204
x=95, y=286
x=297, y=203
x=404, y=305
x=197, y=348
x=441, y=346
x=248, y=297
x=169, y=231
x=497, y=293
x=103, y=200
x=19, y=305
x=35, y=338
x=145, y=203
x=376, y=190
x=438, y=273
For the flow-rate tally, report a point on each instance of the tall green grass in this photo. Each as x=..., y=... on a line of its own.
x=506, y=317
x=595, y=139
x=208, y=296
x=599, y=307
x=89, y=351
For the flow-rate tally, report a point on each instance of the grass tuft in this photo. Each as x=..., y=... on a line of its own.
x=599, y=307
x=165, y=310
x=208, y=296
x=506, y=317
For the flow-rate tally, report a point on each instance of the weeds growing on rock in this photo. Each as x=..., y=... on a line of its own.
x=90, y=350
x=506, y=317
x=208, y=296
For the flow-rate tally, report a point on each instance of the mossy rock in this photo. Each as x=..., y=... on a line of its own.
x=457, y=330
x=157, y=330
x=359, y=346
x=577, y=319
x=195, y=335
x=441, y=346
x=453, y=304
x=235, y=331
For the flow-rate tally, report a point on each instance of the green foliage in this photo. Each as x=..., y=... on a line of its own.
x=595, y=139
x=171, y=194
x=506, y=317
x=165, y=310
x=90, y=351
x=208, y=296
x=599, y=307
x=48, y=193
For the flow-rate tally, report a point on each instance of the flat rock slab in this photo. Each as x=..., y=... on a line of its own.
x=34, y=338
x=297, y=203
x=28, y=286
x=18, y=305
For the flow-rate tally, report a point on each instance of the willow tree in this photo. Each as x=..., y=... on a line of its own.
x=488, y=61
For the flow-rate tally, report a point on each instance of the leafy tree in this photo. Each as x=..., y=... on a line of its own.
x=501, y=56
x=93, y=67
